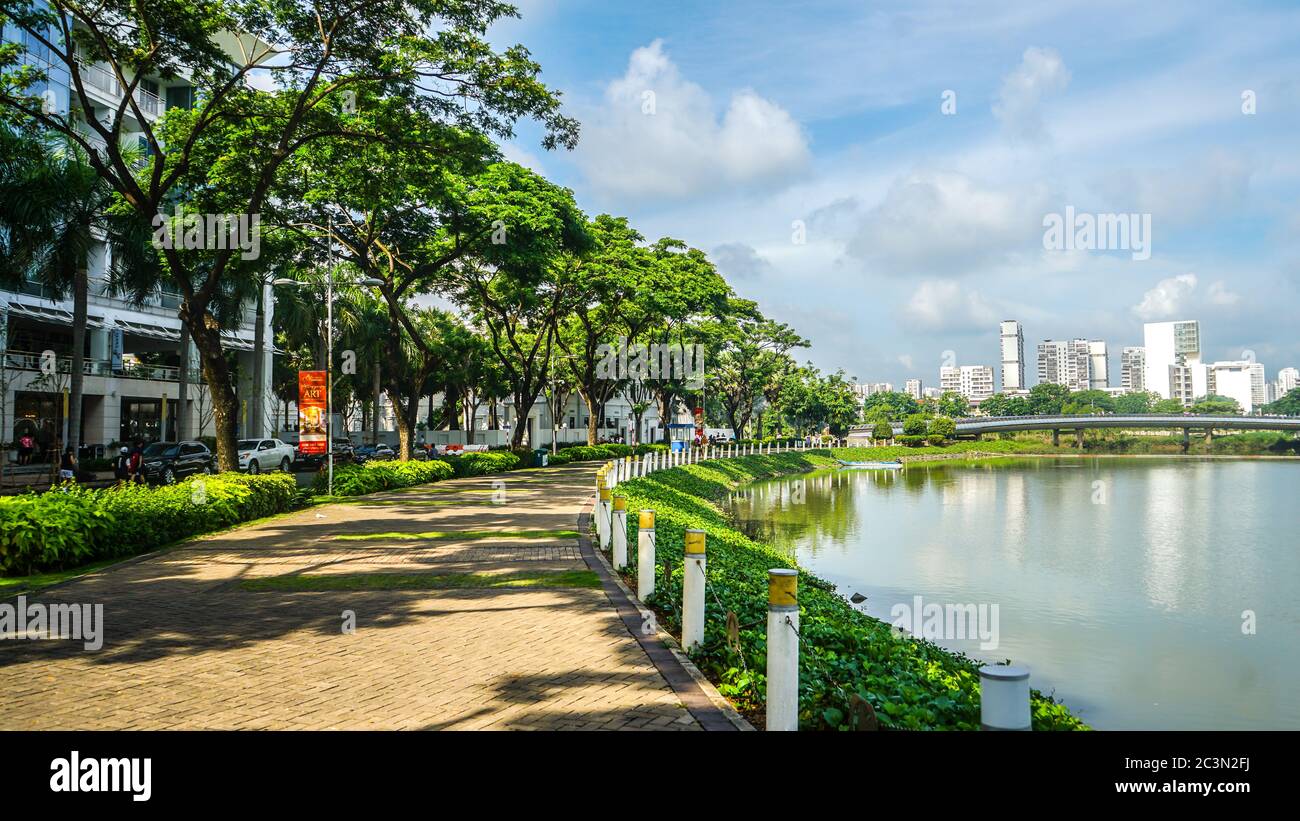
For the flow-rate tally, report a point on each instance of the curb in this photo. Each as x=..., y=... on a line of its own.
x=701, y=699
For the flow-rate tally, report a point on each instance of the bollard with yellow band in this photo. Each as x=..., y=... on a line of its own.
x=619, y=526
x=603, y=512
x=600, y=521
x=693, y=577
x=645, y=554
x=782, y=649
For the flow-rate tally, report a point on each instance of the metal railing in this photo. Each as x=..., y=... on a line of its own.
x=29, y=361
x=103, y=80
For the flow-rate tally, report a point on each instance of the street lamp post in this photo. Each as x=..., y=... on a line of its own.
x=329, y=346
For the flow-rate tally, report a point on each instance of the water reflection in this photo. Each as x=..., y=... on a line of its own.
x=1121, y=582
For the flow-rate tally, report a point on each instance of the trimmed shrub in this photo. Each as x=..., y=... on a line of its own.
x=480, y=463
x=73, y=526
x=356, y=480
x=588, y=453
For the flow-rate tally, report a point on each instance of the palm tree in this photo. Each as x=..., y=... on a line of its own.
x=54, y=210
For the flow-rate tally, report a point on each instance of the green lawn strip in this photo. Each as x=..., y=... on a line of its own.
x=423, y=581
x=460, y=535
x=910, y=683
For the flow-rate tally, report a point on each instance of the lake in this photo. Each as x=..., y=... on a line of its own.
x=1147, y=593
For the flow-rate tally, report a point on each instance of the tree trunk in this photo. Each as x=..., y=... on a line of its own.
x=407, y=413
x=255, y=410
x=374, y=411
x=592, y=413
x=216, y=373
x=183, y=387
x=80, y=295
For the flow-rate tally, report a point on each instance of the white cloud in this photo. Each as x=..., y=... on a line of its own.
x=944, y=305
x=1040, y=73
x=658, y=135
x=939, y=221
x=1218, y=294
x=1166, y=299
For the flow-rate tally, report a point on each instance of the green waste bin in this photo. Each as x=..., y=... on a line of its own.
x=540, y=457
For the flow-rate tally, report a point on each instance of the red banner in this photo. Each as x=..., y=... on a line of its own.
x=699, y=424
x=311, y=412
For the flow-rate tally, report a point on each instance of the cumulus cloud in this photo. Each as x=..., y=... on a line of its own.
x=945, y=305
x=937, y=221
x=659, y=135
x=1168, y=298
x=1019, y=105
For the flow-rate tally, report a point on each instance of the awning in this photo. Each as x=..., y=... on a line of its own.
x=57, y=315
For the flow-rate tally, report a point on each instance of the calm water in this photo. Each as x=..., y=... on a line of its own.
x=1120, y=583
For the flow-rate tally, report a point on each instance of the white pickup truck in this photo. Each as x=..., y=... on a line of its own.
x=257, y=455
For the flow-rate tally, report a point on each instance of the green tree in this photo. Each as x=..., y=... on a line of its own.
x=1214, y=404
x=1288, y=405
x=224, y=155
x=1047, y=398
x=892, y=406
x=1137, y=402
x=1168, y=406
x=943, y=426
x=915, y=425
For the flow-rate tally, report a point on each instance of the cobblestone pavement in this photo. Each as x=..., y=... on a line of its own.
x=187, y=647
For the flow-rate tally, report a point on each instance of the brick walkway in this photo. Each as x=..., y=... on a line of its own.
x=187, y=647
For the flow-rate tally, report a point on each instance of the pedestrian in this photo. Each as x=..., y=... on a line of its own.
x=136, y=464
x=122, y=465
x=26, y=444
x=68, y=466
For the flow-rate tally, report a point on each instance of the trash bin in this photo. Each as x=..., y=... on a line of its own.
x=541, y=457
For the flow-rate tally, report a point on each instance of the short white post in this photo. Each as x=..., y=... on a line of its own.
x=619, y=524
x=602, y=514
x=645, y=555
x=1004, y=697
x=782, y=649
x=693, y=591
x=645, y=464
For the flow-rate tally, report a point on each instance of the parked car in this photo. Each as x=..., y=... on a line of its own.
x=167, y=462
x=377, y=452
x=343, y=454
x=257, y=455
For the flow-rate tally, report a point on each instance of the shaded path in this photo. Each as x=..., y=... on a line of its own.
x=186, y=646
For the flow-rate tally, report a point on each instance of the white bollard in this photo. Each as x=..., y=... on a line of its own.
x=602, y=513
x=645, y=555
x=693, y=591
x=782, y=649
x=644, y=468
x=1004, y=697
x=619, y=524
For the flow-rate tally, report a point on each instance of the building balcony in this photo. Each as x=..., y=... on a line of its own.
x=31, y=361
x=104, y=82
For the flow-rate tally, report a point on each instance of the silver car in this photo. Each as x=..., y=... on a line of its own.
x=258, y=455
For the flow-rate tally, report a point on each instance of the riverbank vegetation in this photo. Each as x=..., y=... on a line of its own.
x=853, y=669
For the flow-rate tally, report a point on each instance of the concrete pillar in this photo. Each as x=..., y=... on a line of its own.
x=693, y=582
x=782, y=649
x=619, y=525
x=1078, y=438
x=645, y=554
x=1004, y=698
x=1056, y=438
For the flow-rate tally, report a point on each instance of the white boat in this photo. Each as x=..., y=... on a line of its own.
x=874, y=465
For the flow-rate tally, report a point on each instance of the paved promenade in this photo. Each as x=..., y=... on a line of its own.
x=192, y=639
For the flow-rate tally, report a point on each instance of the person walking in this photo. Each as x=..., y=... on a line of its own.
x=122, y=465
x=68, y=466
x=135, y=466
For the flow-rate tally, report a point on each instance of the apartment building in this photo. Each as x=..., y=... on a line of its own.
x=974, y=382
x=133, y=352
x=913, y=388
x=1065, y=363
x=1173, y=357
x=1239, y=380
x=1013, y=356
x=1132, y=369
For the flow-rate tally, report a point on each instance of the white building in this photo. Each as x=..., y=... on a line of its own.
x=1288, y=379
x=1013, y=356
x=913, y=388
x=1241, y=380
x=974, y=382
x=1173, y=352
x=1065, y=363
x=1132, y=369
x=1098, y=365
x=133, y=359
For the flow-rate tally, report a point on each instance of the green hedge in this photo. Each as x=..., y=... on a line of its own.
x=69, y=527
x=479, y=463
x=356, y=480
x=910, y=683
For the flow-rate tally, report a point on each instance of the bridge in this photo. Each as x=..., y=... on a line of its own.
x=977, y=426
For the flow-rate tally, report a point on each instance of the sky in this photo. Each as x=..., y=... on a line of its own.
x=879, y=176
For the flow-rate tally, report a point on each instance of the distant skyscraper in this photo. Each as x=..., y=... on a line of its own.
x=1132, y=369
x=1098, y=365
x=1241, y=380
x=1013, y=356
x=913, y=388
x=1065, y=363
x=975, y=382
x=1288, y=379
x=1173, y=358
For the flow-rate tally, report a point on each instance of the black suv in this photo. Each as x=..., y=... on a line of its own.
x=167, y=462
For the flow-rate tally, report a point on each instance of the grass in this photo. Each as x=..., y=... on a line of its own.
x=410, y=581
x=460, y=535
x=18, y=585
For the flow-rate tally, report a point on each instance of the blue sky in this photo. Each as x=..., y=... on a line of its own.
x=731, y=124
